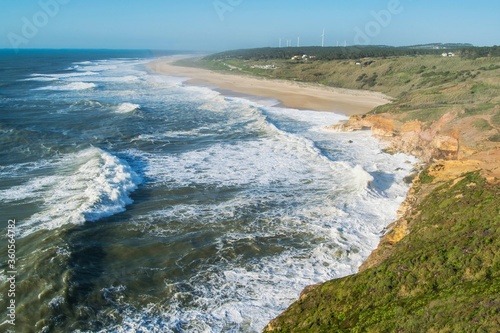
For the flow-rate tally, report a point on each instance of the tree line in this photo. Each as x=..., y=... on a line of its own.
x=350, y=52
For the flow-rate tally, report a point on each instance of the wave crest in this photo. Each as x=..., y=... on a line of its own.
x=98, y=185
x=70, y=86
x=127, y=107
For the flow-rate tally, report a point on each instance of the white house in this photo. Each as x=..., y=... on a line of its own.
x=448, y=54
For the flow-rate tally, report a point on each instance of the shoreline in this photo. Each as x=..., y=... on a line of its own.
x=447, y=158
x=295, y=95
x=355, y=99
x=337, y=100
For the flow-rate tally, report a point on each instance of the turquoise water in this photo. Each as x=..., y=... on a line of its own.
x=143, y=204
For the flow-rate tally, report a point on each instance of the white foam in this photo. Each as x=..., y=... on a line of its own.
x=109, y=65
x=84, y=63
x=91, y=185
x=71, y=75
x=56, y=302
x=121, y=79
x=22, y=169
x=89, y=103
x=127, y=107
x=63, y=75
x=160, y=80
x=111, y=79
x=313, y=118
x=243, y=296
x=32, y=190
x=70, y=86
x=98, y=68
x=341, y=205
x=253, y=162
x=361, y=178
x=41, y=79
x=167, y=135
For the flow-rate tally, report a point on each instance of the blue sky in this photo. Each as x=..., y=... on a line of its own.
x=211, y=25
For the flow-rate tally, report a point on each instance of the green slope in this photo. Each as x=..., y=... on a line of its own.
x=443, y=277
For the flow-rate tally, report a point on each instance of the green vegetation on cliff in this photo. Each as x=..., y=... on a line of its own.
x=443, y=277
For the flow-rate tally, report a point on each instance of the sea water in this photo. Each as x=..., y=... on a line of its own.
x=143, y=204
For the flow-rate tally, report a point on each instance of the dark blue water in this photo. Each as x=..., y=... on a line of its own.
x=146, y=205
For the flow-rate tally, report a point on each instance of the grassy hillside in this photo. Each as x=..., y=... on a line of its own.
x=443, y=277
x=389, y=74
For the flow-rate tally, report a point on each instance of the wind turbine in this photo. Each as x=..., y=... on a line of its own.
x=298, y=41
x=280, y=42
x=323, y=38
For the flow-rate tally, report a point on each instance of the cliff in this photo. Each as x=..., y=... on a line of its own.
x=441, y=276
x=426, y=265
x=447, y=148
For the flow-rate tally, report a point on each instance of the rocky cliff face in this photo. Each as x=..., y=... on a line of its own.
x=451, y=137
x=448, y=148
x=435, y=142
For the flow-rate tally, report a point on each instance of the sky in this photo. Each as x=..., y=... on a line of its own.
x=217, y=25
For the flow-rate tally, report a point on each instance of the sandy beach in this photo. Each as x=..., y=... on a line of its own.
x=290, y=94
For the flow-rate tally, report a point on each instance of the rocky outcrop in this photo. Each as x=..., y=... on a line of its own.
x=438, y=141
x=380, y=125
x=442, y=151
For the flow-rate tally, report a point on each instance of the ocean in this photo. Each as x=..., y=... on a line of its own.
x=143, y=204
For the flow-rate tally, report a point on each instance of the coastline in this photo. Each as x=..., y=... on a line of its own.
x=351, y=103
x=290, y=94
x=455, y=155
